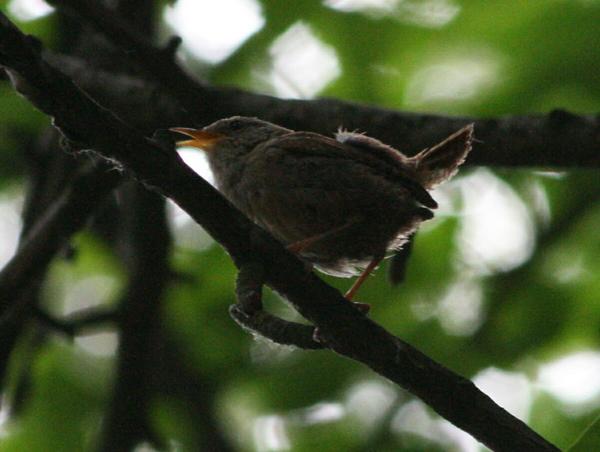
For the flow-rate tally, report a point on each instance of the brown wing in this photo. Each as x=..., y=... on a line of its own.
x=298, y=191
x=308, y=144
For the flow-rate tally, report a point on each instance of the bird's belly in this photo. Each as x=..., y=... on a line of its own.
x=343, y=225
x=340, y=237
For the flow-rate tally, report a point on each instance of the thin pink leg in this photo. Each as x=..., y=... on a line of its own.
x=361, y=279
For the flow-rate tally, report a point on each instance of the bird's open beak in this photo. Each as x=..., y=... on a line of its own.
x=199, y=138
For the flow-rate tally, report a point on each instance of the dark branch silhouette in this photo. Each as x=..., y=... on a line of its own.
x=67, y=215
x=558, y=139
x=126, y=422
x=78, y=321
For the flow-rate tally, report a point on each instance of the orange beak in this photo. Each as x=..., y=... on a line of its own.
x=199, y=138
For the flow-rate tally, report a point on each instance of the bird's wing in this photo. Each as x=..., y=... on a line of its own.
x=308, y=144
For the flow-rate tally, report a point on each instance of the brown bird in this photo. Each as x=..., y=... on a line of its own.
x=340, y=203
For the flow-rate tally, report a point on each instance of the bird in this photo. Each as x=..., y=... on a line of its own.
x=340, y=203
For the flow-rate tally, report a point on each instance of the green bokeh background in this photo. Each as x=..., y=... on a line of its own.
x=543, y=55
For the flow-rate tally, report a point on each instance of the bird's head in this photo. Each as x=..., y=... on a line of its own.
x=238, y=133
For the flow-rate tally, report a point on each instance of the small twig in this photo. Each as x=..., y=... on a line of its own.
x=276, y=329
x=171, y=47
x=248, y=287
x=249, y=314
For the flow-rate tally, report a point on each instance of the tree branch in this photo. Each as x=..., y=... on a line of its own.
x=78, y=321
x=65, y=216
x=280, y=331
x=159, y=62
x=178, y=378
x=558, y=139
x=143, y=102
x=139, y=320
x=342, y=328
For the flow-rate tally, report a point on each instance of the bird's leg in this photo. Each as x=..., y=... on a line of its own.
x=301, y=245
x=361, y=279
x=362, y=307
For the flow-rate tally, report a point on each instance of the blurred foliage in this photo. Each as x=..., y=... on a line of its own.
x=488, y=58
x=589, y=439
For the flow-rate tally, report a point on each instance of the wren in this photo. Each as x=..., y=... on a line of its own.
x=342, y=203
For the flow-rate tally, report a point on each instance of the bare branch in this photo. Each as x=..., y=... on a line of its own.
x=280, y=331
x=64, y=217
x=78, y=321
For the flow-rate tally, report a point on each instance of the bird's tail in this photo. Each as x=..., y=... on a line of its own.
x=436, y=164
